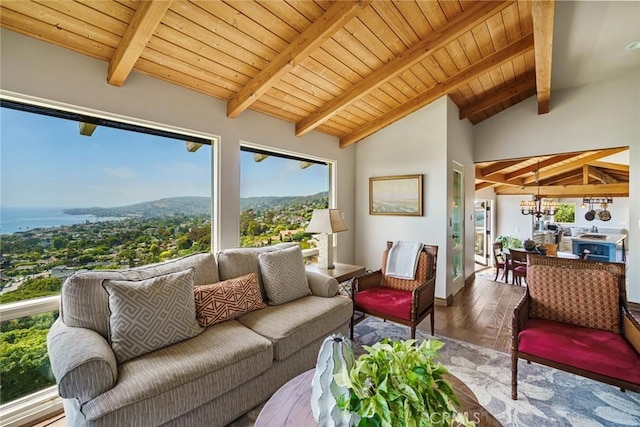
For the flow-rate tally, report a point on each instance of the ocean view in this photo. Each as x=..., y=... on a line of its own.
x=13, y=220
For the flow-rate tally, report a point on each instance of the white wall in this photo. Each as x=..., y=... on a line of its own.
x=33, y=68
x=414, y=145
x=509, y=221
x=591, y=117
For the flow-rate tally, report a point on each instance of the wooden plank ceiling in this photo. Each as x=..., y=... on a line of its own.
x=582, y=174
x=345, y=68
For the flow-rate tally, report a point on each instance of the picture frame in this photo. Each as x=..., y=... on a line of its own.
x=395, y=195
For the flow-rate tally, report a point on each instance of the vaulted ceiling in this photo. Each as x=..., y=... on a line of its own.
x=345, y=68
x=583, y=174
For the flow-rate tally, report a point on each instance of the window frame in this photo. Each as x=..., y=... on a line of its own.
x=292, y=155
x=46, y=402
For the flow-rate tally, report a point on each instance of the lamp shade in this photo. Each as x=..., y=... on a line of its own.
x=326, y=221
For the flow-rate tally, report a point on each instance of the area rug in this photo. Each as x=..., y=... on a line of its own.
x=546, y=397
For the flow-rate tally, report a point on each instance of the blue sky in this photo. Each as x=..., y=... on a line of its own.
x=45, y=162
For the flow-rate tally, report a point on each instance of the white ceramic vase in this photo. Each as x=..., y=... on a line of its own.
x=336, y=351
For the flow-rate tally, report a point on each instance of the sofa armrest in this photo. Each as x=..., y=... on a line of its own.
x=82, y=362
x=631, y=329
x=369, y=280
x=322, y=285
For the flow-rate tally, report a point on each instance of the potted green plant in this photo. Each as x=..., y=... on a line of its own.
x=399, y=384
x=509, y=242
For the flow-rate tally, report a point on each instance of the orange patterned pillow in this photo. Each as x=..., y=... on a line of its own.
x=226, y=300
x=422, y=273
x=582, y=297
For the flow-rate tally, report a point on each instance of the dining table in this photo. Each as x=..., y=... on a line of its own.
x=508, y=261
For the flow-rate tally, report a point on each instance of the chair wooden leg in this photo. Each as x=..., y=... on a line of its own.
x=413, y=332
x=432, y=321
x=351, y=326
x=514, y=374
x=497, y=272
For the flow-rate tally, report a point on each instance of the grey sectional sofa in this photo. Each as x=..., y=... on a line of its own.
x=207, y=380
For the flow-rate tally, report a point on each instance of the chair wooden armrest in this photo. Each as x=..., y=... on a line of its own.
x=369, y=280
x=631, y=329
x=520, y=315
x=423, y=295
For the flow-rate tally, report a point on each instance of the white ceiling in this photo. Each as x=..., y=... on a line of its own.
x=590, y=39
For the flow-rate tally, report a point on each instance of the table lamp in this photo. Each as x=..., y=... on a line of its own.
x=325, y=222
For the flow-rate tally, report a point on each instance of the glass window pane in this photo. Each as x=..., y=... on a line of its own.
x=24, y=363
x=115, y=199
x=278, y=196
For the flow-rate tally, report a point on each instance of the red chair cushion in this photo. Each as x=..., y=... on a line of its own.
x=520, y=269
x=393, y=302
x=593, y=350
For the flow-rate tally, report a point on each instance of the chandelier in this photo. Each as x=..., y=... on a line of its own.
x=537, y=206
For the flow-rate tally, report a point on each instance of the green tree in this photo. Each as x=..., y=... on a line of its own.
x=566, y=212
x=33, y=288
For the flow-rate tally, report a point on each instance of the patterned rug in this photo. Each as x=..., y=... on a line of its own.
x=546, y=397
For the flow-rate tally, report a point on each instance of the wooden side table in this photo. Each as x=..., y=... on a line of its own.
x=341, y=273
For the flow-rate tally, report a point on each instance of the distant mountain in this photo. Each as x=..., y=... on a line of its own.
x=194, y=206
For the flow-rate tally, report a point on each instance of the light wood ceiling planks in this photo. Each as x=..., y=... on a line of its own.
x=564, y=175
x=345, y=68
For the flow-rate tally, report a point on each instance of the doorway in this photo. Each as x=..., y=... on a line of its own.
x=482, y=235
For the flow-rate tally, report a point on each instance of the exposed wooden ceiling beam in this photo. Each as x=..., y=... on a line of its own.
x=621, y=189
x=572, y=174
x=498, y=179
x=497, y=167
x=503, y=94
x=309, y=40
x=575, y=164
x=475, y=14
x=543, y=164
x=452, y=83
x=612, y=166
x=542, y=12
x=135, y=38
x=482, y=185
x=585, y=174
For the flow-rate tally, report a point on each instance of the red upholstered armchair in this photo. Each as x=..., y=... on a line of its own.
x=574, y=317
x=399, y=300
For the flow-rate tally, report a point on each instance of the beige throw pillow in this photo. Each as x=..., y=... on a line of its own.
x=149, y=314
x=283, y=275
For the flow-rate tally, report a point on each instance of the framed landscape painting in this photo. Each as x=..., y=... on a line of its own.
x=395, y=195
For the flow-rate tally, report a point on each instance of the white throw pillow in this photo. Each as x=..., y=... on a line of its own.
x=149, y=314
x=283, y=275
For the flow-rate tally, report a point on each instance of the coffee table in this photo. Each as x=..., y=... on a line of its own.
x=291, y=404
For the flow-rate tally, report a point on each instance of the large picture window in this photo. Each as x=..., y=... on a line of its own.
x=87, y=195
x=278, y=193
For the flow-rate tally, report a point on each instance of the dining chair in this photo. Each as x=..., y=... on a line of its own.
x=500, y=261
x=518, y=260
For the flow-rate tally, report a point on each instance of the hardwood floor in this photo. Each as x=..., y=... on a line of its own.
x=480, y=314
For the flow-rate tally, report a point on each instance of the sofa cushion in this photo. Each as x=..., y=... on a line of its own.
x=283, y=275
x=295, y=324
x=582, y=297
x=228, y=299
x=183, y=376
x=594, y=350
x=240, y=261
x=83, y=301
x=149, y=314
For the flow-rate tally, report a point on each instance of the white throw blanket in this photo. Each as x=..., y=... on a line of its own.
x=403, y=260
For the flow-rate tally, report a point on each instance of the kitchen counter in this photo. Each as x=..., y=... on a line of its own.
x=608, y=238
x=600, y=246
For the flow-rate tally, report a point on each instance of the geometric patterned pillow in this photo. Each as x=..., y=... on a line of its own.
x=422, y=273
x=283, y=275
x=226, y=300
x=146, y=315
x=582, y=297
